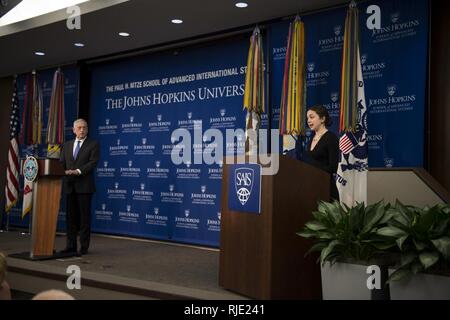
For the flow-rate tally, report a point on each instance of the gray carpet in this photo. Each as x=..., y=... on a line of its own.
x=173, y=264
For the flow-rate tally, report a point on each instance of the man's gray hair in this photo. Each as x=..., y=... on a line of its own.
x=79, y=120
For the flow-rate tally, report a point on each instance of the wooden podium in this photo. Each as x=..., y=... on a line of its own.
x=46, y=199
x=260, y=254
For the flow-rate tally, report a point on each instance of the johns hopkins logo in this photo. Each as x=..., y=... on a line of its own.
x=187, y=212
x=131, y=119
x=105, y=164
x=144, y=141
x=188, y=164
x=243, y=183
x=392, y=89
x=156, y=210
x=203, y=189
x=142, y=186
x=128, y=208
x=157, y=163
x=311, y=66
x=388, y=162
x=118, y=142
x=220, y=164
x=116, y=185
x=219, y=215
x=334, y=96
x=103, y=206
x=337, y=30
x=363, y=58
x=223, y=112
x=130, y=163
x=189, y=115
x=159, y=117
x=107, y=122
x=171, y=187
x=395, y=17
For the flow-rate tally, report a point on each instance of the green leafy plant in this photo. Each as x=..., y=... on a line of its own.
x=347, y=233
x=421, y=235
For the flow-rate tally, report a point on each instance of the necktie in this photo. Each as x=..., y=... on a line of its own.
x=77, y=149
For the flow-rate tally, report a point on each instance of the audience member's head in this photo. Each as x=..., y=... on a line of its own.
x=53, y=295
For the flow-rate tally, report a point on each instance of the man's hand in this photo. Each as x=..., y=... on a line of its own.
x=72, y=173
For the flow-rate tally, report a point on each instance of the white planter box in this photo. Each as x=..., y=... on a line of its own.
x=345, y=281
x=421, y=287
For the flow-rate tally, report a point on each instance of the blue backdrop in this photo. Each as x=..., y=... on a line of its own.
x=135, y=107
x=394, y=61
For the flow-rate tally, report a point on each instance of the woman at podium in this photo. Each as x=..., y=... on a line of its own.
x=323, y=149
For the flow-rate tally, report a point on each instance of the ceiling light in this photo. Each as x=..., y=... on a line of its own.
x=124, y=34
x=241, y=5
x=28, y=9
x=177, y=21
x=39, y=53
x=78, y=44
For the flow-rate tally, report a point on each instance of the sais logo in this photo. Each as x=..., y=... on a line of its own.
x=334, y=96
x=189, y=115
x=337, y=30
x=219, y=215
x=395, y=17
x=107, y=122
x=311, y=67
x=116, y=185
x=156, y=210
x=131, y=119
x=118, y=142
x=392, y=89
x=171, y=187
x=223, y=112
x=220, y=164
x=103, y=206
x=157, y=163
x=128, y=208
x=363, y=58
x=144, y=141
x=243, y=183
x=105, y=164
x=188, y=164
x=159, y=117
x=130, y=163
x=203, y=189
x=142, y=186
x=187, y=212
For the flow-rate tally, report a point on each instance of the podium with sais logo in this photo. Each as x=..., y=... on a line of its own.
x=260, y=254
x=45, y=177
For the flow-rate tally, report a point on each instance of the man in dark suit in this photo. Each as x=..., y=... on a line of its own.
x=79, y=158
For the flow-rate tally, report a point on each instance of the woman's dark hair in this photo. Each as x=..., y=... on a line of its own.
x=323, y=113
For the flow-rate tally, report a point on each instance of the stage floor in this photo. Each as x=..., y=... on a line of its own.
x=139, y=268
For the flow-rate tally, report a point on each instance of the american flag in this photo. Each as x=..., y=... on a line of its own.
x=347, y=142
x=12, y=169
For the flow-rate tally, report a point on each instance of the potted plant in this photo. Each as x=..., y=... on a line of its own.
x=348, y=239
x=422, y=235
x=414, y=241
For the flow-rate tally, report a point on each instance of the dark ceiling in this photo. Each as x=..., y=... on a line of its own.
x=147, y=21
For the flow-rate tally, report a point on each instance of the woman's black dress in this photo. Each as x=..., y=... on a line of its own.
x=325, y=156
